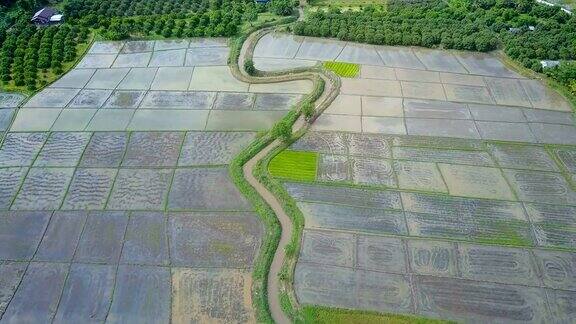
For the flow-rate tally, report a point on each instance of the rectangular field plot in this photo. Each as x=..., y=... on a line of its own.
x=212, y=148
x=373, y=172
x=522, y=157
x=102, y=239
x=20, y=233
x=498, y=264
x=10, y=275
x=442, y=61
x=334, y=168
x=234, y=101
x=62, y=149
x=43, y=188
x=464, y=300
x=319, y=49
x=61, y=237
x=348, y=288
x=353, y=218
x=330, y=248
x=105, y=150
x=554, y=226
x=381, y=254
x=475, y=181
x=323, y=142
x=10, y=180
x=293, y=165
x=10, y=100
x=370, y=145
x=439, y=143
x=140, y=189
x=87, y=294
x=359, y=53
x=508, y=92
x=37, y=296
x=208, y=240
x=343, y=69
x=153, y=149
x=20, y=149
x=213, y=295
x=146, y=240
x=344, y=195
x=545, y=187
x=441, y=155
x=141, y=293
x=467, y=219
x=205, y=189
x=567, y=157
x=399, y=57
x=433, y=258
x=271, y=101
x=178, y=100
x=558, y=269
x=277, y=45
x=419, y=176
x=485, y=65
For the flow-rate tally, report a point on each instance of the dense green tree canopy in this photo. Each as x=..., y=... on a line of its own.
x=527, y=31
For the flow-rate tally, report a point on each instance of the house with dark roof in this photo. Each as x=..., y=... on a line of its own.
x=46, y=16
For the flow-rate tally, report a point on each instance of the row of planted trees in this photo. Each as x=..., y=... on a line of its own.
x=28, y=51
x=31, y=56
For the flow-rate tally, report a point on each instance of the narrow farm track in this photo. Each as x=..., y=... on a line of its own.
x=331, y=89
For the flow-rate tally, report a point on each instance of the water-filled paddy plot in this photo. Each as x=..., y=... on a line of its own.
x=154, y=85
x=425, y=225
x=112, y=194
x=413, y=91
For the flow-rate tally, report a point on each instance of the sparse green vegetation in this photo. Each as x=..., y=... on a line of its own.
x=326, y=315
x=343, y=69
x=293, y=165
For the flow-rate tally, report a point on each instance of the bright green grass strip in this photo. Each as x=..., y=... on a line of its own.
x=293, y=165
x=325, y=315
x=343, y=69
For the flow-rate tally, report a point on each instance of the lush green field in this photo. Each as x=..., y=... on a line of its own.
x=343, y=69
x=294, y=165
x=325, y=315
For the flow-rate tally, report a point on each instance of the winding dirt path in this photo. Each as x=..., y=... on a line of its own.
x=286, y=227
x=331, y=89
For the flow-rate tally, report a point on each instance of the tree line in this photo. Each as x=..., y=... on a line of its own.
x=31, y=56
x=527, y=31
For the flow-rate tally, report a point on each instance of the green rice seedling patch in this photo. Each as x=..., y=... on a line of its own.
x=294, y=165
x=343, y=69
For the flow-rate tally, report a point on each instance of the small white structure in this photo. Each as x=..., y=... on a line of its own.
x=549, y=63
x=56, y=18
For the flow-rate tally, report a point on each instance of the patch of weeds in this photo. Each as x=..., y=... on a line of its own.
x=320, y=315
x=508, y=233
x=343, y=69
x=294, y=165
